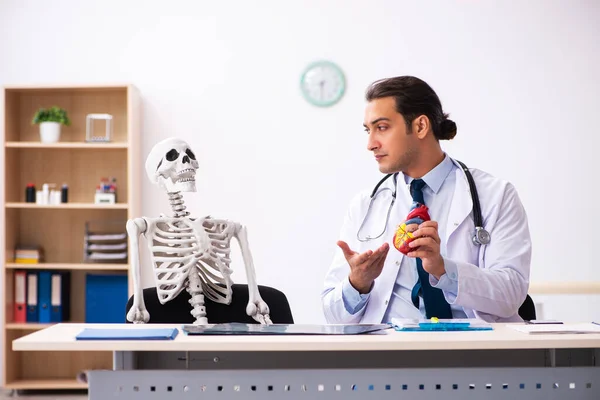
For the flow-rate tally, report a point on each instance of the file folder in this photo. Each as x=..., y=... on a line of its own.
x=572, y=328
x=32, y=297
x=44, y=289
x=435, y=325
x=20, y=304
x=105, y=298
x=128, y=334
x=60, y=299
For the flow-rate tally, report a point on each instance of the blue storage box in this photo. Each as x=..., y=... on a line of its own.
x=105, y=298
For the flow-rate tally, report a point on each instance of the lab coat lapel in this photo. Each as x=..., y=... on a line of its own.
x=461, y=205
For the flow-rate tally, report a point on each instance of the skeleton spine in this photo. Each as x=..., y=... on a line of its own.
x=197, y=298
x=176, y=200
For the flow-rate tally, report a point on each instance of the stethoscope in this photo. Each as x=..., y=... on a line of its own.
x=480, y=236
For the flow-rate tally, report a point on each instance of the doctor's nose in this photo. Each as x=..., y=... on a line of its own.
x=372, y=145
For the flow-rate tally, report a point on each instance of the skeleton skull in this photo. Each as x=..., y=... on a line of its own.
x=172, y=165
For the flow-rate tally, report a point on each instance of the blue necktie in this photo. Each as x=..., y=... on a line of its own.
x=433, y=298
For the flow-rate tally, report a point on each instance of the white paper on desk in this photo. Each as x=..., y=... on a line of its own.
x=557, y=328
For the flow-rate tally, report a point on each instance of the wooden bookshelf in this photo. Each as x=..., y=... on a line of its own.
x=45, y=384
x=88, y=206
x=27, y=326
x=81, y=146
x=71, y=266
x=59, y=229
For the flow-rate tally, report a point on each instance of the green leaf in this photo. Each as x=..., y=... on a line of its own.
x=52, y=114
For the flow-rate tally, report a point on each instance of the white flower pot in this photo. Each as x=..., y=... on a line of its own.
x=49, y=132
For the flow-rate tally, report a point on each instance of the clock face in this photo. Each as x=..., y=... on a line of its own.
x=323, y=83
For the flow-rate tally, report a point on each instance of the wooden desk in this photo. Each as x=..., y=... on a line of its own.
x=497, y=364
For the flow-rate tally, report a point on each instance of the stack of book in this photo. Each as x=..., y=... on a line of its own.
x=29, y=255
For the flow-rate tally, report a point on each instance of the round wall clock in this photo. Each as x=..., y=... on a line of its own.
x=323, y=83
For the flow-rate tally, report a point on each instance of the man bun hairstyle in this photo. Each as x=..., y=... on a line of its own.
x=447, y=129
x=414, y=97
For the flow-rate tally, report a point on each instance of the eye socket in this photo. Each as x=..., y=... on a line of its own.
x=172, y=155
x=190, y=154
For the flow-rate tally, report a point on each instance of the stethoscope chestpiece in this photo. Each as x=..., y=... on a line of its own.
x=481, y=236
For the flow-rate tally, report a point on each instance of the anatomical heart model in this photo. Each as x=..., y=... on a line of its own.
x=186, y=252
x=417, y=215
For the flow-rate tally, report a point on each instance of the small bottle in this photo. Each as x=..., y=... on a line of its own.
x=46, y=194
x=30, y=193
x=64, y=193
x=55, y=197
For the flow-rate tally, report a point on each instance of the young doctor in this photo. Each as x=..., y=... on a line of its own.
x=464, y=262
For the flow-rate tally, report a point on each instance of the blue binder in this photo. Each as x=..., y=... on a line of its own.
x=60, y=296
x=44, y=293
x=32, y=296
x=128, y=334
x=105, y=298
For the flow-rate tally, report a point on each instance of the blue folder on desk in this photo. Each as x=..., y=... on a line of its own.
x=425, y=325
x=127, y=334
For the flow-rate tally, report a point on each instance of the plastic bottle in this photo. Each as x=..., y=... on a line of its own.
x=64, y=193
x=46, y=193
x=30, y=193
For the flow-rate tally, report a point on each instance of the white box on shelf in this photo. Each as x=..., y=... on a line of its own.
x=105, y=198
x=89, y=131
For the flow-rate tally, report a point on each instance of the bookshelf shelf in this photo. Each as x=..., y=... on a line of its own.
x=26, y=326
x=71, y=266
x=60, y=229
x=90, y=206
x=45, y=384
x=65, y=145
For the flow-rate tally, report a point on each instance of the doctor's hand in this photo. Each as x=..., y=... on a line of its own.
x=427, y=239
x=365, y=267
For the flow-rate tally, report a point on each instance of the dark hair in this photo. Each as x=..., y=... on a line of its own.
x=414, y=97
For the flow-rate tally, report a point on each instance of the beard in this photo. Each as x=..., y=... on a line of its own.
x=401, y=163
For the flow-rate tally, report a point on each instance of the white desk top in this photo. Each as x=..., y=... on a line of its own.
x=61, y=337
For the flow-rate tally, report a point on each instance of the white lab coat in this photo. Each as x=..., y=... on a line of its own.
x=492, y=279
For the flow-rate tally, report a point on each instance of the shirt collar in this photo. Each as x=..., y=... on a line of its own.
x=436, y=177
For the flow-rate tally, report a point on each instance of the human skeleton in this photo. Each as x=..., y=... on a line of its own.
x=190, y=253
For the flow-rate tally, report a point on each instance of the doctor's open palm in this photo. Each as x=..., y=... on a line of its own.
x=365, y=267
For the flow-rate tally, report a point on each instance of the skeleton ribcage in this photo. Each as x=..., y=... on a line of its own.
x=182, y=246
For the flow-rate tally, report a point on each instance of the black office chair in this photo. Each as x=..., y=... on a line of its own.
x=178, y=309
x=527, y=309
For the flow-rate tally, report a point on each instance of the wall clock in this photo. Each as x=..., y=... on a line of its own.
x=323, y=83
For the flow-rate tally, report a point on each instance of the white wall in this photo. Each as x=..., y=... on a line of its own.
x=519, y=78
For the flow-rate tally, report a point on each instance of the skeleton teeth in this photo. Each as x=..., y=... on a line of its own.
x=185, y=171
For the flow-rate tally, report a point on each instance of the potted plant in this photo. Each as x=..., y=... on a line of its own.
x=50, y=120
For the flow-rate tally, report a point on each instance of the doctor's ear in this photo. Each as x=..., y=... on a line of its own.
x=420, y=126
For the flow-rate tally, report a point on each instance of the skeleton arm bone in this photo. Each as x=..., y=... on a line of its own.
x=138, y=313
x=257, y=308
